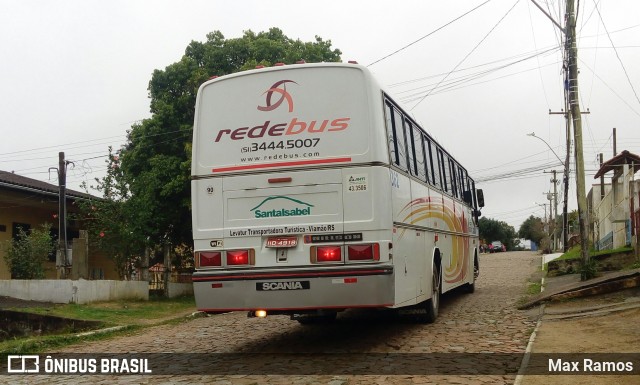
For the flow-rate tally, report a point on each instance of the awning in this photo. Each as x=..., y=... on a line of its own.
x=625, y=157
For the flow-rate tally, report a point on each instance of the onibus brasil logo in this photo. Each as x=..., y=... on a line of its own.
x=304, y=209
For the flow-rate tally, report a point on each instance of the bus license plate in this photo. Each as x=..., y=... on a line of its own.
x=279, y=242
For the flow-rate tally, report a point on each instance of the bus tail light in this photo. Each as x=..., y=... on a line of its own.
x=209, y=259
x=327, y=254
x=238, y=257
x=370, y=252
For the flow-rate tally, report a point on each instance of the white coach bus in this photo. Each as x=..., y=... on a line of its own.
x=314, y=192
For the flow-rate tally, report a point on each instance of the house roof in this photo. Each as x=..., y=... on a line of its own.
x=19, y=182
x=625, y=157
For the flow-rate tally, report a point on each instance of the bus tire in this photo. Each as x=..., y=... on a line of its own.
x=432, y=305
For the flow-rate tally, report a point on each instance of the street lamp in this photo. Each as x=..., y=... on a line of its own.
x=565, y=181
x=550, y=148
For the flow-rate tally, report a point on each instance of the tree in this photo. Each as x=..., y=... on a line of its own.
x=532, y=228
x=156, y=160
x=493, y=230
x=25, y=255
x=112, y=222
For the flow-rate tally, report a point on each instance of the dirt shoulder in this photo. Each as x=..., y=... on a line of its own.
x=607, y=323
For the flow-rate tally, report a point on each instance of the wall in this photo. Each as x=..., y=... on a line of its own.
x=68, y=291
x=180, y=289
x=32, y=213
x=614, y=213
x=102, y=266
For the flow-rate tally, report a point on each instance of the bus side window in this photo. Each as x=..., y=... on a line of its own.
x=472, y=186
x=411, y=148
x=432, y=163
x=444, y=171
x=454, y=178
x=399, y=140
x=418, y=149
x=462, y=177
x=393, y=151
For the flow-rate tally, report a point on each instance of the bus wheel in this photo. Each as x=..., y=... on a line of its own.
x=433, y=304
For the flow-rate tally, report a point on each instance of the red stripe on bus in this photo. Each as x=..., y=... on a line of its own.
x=292, y=275
x=297, y=308
x=282, y=164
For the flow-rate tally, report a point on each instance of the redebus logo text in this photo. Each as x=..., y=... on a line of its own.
x=294, y=127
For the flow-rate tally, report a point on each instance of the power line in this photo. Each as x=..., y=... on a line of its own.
x=429, y=34
x=469, y=54
x=535, y=44
x=617, y=55
x=526, y=55
x=517, y=173
x=609, y=87
x=456, y=84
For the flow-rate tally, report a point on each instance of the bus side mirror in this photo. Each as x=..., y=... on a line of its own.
x=480, y=196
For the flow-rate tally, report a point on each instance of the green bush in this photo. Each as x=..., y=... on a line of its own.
x=25, y=255
x=588, y=270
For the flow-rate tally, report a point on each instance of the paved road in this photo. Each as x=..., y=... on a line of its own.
x=485, y=321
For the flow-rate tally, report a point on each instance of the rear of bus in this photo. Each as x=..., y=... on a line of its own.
x=287, y=186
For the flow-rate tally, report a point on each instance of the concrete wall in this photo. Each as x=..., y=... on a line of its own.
x=613, y=212
x=180, y=289
x=68, y=291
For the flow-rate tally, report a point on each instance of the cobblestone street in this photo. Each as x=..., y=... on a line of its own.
x=483, y=322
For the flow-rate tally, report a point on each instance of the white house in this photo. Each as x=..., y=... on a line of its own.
x=616, y=217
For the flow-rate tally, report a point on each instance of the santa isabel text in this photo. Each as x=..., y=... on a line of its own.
x=589, y=365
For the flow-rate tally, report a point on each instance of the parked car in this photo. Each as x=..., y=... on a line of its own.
x=497, y=246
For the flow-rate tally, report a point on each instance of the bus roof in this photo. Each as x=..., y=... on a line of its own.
x=301, y=115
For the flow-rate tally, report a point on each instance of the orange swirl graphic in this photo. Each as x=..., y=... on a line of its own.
x=422, y=209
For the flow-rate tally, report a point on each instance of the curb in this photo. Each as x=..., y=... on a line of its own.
x=529, y=349
x=605, y=284
x=102, y=331
x=194, y=315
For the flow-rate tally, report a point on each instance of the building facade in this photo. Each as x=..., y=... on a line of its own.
x=28, y=203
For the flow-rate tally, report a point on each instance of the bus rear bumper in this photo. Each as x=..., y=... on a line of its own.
x=294, y=290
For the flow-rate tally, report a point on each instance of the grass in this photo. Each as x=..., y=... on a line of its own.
x=123, y=312
x=133, y=315
x=575, y=252
x=48, y=343
x=534, y=288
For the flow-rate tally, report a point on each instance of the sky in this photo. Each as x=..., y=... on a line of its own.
x=478, y=75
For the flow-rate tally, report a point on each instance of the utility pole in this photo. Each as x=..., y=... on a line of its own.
x=572, y=57
x=565, y=177
x=551, y=227
x=554, y=198
x=549, y=219
x=573, y=111
x=62, y=215
x=601, y=179
x=544, y=205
